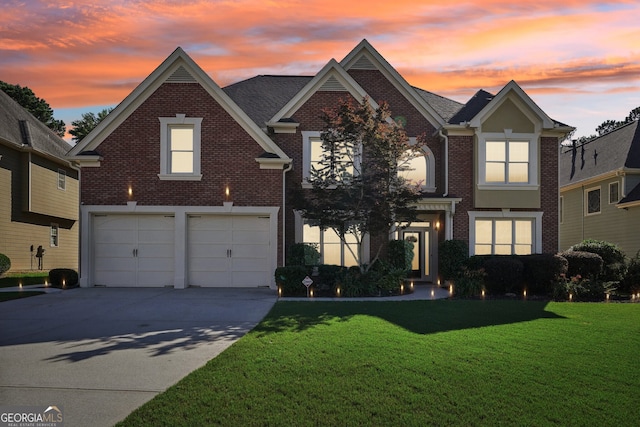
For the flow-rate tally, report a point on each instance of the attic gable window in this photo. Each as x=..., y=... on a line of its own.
x=180, y=142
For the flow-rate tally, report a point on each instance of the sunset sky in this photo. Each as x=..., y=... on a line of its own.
x=578, y=59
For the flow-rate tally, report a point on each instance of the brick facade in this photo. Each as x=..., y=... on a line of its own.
x=132, y=158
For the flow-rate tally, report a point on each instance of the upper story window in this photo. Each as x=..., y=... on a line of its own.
x=341, y=162
x=180, y=148
x=505, y=163
x=419, y=167
x=614, y=192
x=62, y=179
x=592, y=201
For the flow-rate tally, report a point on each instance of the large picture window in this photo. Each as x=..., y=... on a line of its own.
x=180, y=148
x=505, y=233
x=332, y=250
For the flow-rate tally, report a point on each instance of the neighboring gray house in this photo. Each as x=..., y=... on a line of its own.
x=600, y=190
x=39, y=191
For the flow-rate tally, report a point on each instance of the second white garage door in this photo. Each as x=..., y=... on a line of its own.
x=228, y=250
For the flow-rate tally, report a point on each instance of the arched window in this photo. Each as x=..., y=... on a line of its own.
x=419, y=167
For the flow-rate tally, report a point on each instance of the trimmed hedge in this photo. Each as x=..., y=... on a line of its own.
x=614, y=261
x=63, y=278
x=584, y=264
x=541, y=272
x=538, y=275
x=452, y=256
x=5, y=263
x=504, y=274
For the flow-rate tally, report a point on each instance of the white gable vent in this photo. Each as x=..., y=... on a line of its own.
x=181, y=75
x=332, y=84
x=363, y=63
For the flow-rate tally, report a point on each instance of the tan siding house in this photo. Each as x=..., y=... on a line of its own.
x=600, y=190
x=39, y=190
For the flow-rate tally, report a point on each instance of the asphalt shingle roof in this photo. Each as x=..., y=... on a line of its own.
x=445, y=107
x=613, y=151
x=261, y=97
x=472, y=107
x=33, y=132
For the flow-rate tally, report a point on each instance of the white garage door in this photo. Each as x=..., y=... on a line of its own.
x=133, y=250
x=225, y=250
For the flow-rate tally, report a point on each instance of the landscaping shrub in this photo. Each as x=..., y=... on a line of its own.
x=541, y=272
x=354, y=284
x=476, y=262
x=469, y=283
x=303, y=254
x=289, y=280
x=614, y=262
x=63, y=278
x=584, y=264
x=400, y=254
x=390, y=281
x=504, y=274
x=5, y=264
x=579, y=288
x=631, y=282
x=452, y=256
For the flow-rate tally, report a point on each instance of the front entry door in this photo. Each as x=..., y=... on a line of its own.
x=420, y=234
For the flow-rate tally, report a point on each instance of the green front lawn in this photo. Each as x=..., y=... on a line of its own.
x=418, y=363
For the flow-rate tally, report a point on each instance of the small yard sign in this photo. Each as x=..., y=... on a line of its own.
x=307, y=281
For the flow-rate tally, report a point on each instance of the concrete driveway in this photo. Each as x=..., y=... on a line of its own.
x=100, y=353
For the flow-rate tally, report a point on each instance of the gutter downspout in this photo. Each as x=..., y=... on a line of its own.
x=284, y=210
x=446, y=162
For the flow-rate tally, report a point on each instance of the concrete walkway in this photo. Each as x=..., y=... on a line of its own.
x=420, y=292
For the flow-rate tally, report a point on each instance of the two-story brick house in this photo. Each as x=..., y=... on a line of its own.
x=39, y=190
x=188, y=184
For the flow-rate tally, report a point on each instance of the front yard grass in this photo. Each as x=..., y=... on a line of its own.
x=418, y=363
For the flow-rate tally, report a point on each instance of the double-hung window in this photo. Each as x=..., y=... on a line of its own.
x=507, y=162
x=340, y=161
x=62, y=179
x=180, y=148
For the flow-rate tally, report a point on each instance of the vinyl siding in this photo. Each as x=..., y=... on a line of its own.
x=19, y=229
x=612, y=224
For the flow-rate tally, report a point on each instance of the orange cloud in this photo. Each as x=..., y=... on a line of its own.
x=94, y=53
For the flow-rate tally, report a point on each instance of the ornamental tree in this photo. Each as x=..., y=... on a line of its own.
x=357, y=187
